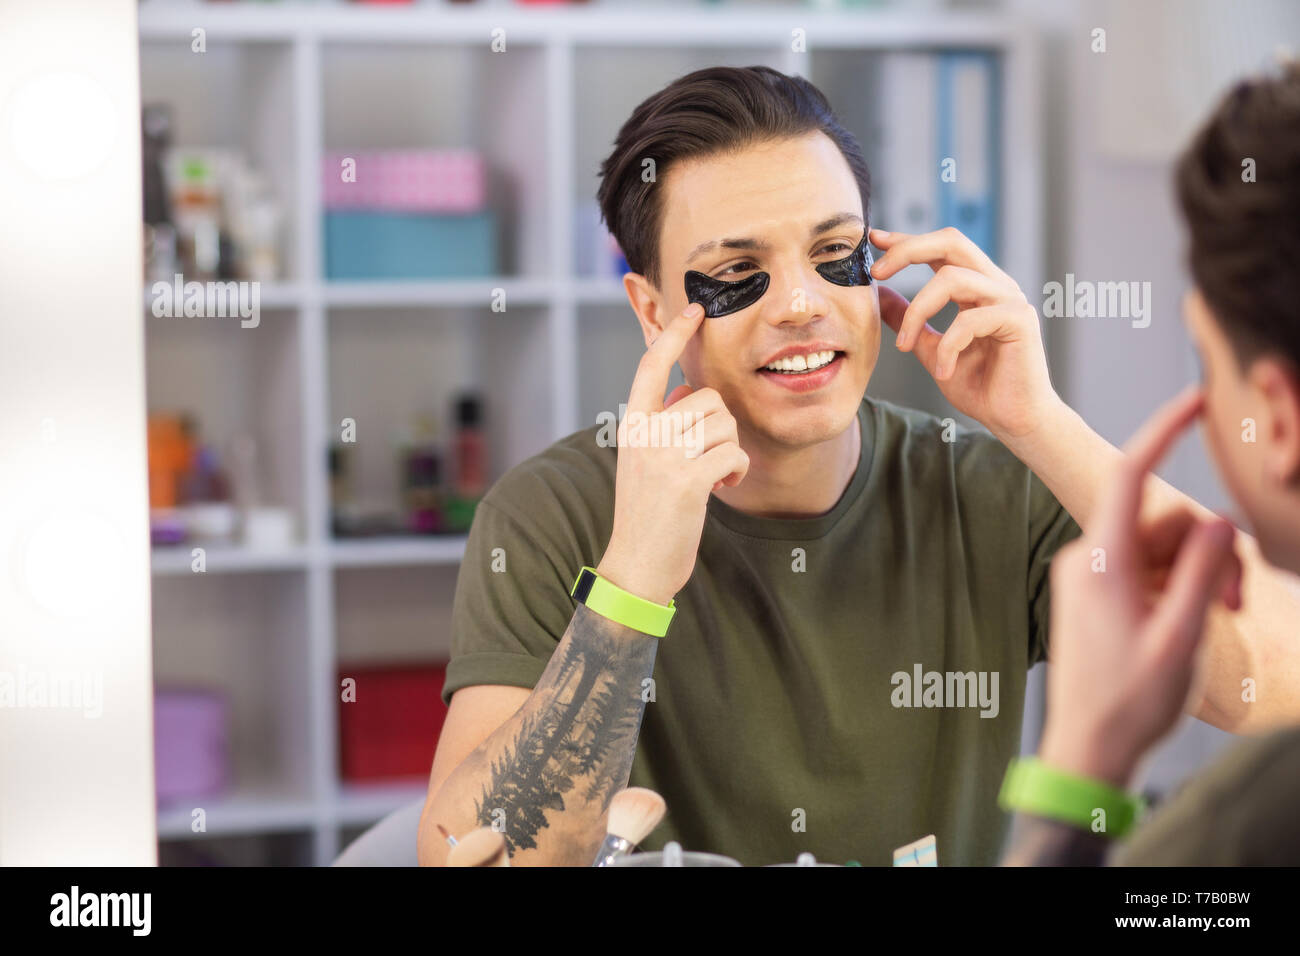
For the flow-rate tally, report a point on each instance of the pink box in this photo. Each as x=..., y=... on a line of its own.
x=406, y=180
x=191, y=743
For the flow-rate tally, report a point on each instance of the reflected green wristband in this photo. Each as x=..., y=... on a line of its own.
x=611, y=601
x=1034, y=787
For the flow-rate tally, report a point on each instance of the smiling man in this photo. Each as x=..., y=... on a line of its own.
x=807, y=620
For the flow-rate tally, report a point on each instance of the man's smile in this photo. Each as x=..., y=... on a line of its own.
x=801, y=369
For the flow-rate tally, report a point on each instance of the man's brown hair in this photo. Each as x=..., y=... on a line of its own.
x=717, y=110
x=1244, y=249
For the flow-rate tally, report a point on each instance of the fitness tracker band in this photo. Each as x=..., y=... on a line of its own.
x=611, y=601
x=1034, y=787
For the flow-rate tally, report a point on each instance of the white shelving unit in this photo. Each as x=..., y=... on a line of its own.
x=287, y=81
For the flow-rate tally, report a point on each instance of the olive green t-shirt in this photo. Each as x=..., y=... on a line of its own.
x=1244, y=810
x=841, y=684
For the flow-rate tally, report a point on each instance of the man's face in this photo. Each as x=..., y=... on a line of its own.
x=1256, y=460
x=774, y=194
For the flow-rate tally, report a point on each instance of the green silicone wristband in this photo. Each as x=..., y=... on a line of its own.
x=611, y=601
x=1034, y=787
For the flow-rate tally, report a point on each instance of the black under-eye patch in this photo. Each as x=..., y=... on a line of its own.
x=723, y=298
x=853, y=269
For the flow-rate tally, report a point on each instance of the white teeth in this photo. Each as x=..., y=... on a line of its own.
x=801, y=363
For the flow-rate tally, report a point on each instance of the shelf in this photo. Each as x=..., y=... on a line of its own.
x=275, y=294
x=358, y=553
x=246, y=637
x=423, y=364
x=600, y=292
x=250, y=811
x=228, y=559
x=365, y=553
x=680, y=25
x=241, y=97
x=238, y=384
x=367, y=802
x=469, y=292
x=256, y=811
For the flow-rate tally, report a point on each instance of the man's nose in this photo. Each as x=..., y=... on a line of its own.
x=796, y=295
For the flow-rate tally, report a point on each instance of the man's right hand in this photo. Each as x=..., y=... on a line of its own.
x=672, y=454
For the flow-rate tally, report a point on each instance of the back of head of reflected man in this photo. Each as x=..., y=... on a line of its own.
x=731, y=172
x=1238, y=187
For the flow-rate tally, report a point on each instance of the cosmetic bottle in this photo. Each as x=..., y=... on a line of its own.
x=197, y=209
x=209, y=512
x=471, y=447
x=159, y=230
x=470, y=481
x=422, y=478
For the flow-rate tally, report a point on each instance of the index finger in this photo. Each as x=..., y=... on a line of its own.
x=656, y=365
x=932, y=248
x=893, y=307
x=1120, y=509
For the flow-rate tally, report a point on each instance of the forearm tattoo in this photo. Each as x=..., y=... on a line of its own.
x=575, y=745
x=1038, y=841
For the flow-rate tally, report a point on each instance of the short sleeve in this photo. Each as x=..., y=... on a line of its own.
x=1238, y=812
x=512, y=603
x=1050, y=527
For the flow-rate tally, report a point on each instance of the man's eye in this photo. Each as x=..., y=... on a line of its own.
x=841, y=249
x=728, y=271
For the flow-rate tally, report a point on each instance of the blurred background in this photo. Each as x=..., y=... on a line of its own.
x=412, y=188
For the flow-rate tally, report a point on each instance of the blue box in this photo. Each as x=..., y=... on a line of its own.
x=385, y=245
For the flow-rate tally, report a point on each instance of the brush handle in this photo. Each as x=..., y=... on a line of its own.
x=613, y=847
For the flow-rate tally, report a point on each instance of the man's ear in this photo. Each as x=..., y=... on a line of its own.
x=1276, y=385
x=643, y=298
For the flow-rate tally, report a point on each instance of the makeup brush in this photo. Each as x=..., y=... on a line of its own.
x=451, y=840
x=633, y=813
x=481, y=847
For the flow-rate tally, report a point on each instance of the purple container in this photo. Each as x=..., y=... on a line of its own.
x=191, y=743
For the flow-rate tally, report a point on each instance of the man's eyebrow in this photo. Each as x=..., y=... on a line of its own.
x=825, y=225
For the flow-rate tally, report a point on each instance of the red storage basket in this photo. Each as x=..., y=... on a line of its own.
x=390, y=731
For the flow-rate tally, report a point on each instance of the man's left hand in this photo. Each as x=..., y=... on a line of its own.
x=990, y=362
